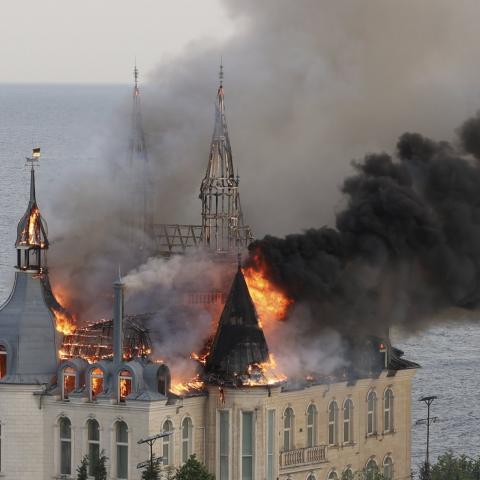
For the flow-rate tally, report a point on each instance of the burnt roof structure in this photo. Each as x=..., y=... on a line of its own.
x=239, y=341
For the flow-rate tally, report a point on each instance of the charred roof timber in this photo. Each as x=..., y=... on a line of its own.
x=239, y=341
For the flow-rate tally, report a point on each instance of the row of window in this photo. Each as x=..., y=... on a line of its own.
x=333, y=421
x=371, y=471
x=120, y=460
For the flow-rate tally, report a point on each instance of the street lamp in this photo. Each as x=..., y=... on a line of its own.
x=150, y=441
x=427, y=421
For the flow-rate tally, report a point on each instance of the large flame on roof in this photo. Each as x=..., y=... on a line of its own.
x=31, y=233
x=270, y=302
x=64, y=321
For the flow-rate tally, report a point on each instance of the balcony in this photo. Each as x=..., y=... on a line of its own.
x=303, y=456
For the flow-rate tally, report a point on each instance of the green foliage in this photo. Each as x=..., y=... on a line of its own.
x=151, y=472
x=168, y=473
x=82, y=469
x=193, y=470
x=100, y=467
x=364, y=475
x=452, y=467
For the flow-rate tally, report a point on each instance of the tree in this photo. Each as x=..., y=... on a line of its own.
x=152, y=471
x=452, y=467
x=193, y=470
x=100, y=467
x=82, y=469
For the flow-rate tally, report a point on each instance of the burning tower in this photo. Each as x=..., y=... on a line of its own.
x=29, y=341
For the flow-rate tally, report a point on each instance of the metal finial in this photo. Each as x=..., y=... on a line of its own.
x=220, y=73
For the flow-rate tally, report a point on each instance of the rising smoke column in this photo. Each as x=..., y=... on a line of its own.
x=406, y=246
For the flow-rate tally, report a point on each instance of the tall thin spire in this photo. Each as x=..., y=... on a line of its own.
x=141, y=225
x=222, y=221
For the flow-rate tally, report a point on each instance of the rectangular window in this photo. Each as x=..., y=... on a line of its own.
x=224, y=444
x=247, y=446
x=270, y=444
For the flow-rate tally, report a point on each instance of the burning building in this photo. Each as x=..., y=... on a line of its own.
x=66, y=393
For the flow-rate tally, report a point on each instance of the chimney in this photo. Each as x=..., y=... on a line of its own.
x=118, y=287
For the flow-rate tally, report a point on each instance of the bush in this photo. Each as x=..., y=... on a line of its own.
x=193, y=470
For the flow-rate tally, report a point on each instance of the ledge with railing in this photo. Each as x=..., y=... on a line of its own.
x=303, y=456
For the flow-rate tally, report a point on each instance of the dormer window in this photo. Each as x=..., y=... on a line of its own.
x=68, y=384
x=124, y=385
x=96, y=383
x=3, y=361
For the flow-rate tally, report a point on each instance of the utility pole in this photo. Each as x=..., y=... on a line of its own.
x=427, y=421
x=150, y=441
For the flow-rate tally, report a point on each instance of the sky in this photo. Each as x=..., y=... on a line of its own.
x=96, y=41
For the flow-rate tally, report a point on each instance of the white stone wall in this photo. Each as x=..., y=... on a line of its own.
x=23, y=451
x=30, y=436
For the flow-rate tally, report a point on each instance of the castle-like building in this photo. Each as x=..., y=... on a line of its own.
x=53, y=412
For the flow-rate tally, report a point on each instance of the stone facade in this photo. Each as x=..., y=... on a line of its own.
x=30, y=434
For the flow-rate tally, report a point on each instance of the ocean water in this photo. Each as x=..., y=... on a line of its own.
x=69, y=122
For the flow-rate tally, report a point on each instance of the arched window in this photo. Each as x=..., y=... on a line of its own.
x=311, y=476
x=311, y=425
x=122, y=450
x=388, y=411
x=332, y=476
x=332, y=423
x=124, y=385
x=347, y=474
x=371, y=413
x=388, y=468
x=348, y=421
x=288, y=430
x=93, y=444
x=65, y=446
x=96, y=383
x=186, y=438
x=371, y=470
x=167, y=452
x=68, y=383
x=3, y=361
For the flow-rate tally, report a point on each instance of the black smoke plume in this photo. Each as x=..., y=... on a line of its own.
x=406, y=246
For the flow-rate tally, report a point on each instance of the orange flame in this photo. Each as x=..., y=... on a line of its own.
x=266, y=373
x=194, y=385
x=270, y=302
x=64, y=321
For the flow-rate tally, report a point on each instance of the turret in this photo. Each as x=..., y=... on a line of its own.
x=28, y=334
x=222, y=219
x=32, y=241
x=239, y=341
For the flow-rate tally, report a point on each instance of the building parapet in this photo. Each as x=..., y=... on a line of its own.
x=303, y=456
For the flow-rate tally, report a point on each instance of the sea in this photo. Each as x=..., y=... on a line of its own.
x=68, y=122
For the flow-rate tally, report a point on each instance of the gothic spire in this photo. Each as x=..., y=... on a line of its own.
x=141, y=227
x=222, y=222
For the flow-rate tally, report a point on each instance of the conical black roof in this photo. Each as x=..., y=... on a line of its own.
x=239, y=341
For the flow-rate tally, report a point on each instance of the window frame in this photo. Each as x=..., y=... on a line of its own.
x=72, y=372
x=93, y=375
x=312, y=430
x=388, y=394
x=332, y=475
x=188, y=442
x=391, y=465
x=224, y=442
x=348, y=423
x=367, y=472
x=332, y=433
x=371, y=413
x=119, y=445
x=121, y=375
x=167, y=442
x=64, y=441
x=4, y=360
x=91, y=443
x=288, y=431
x=251, y=413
